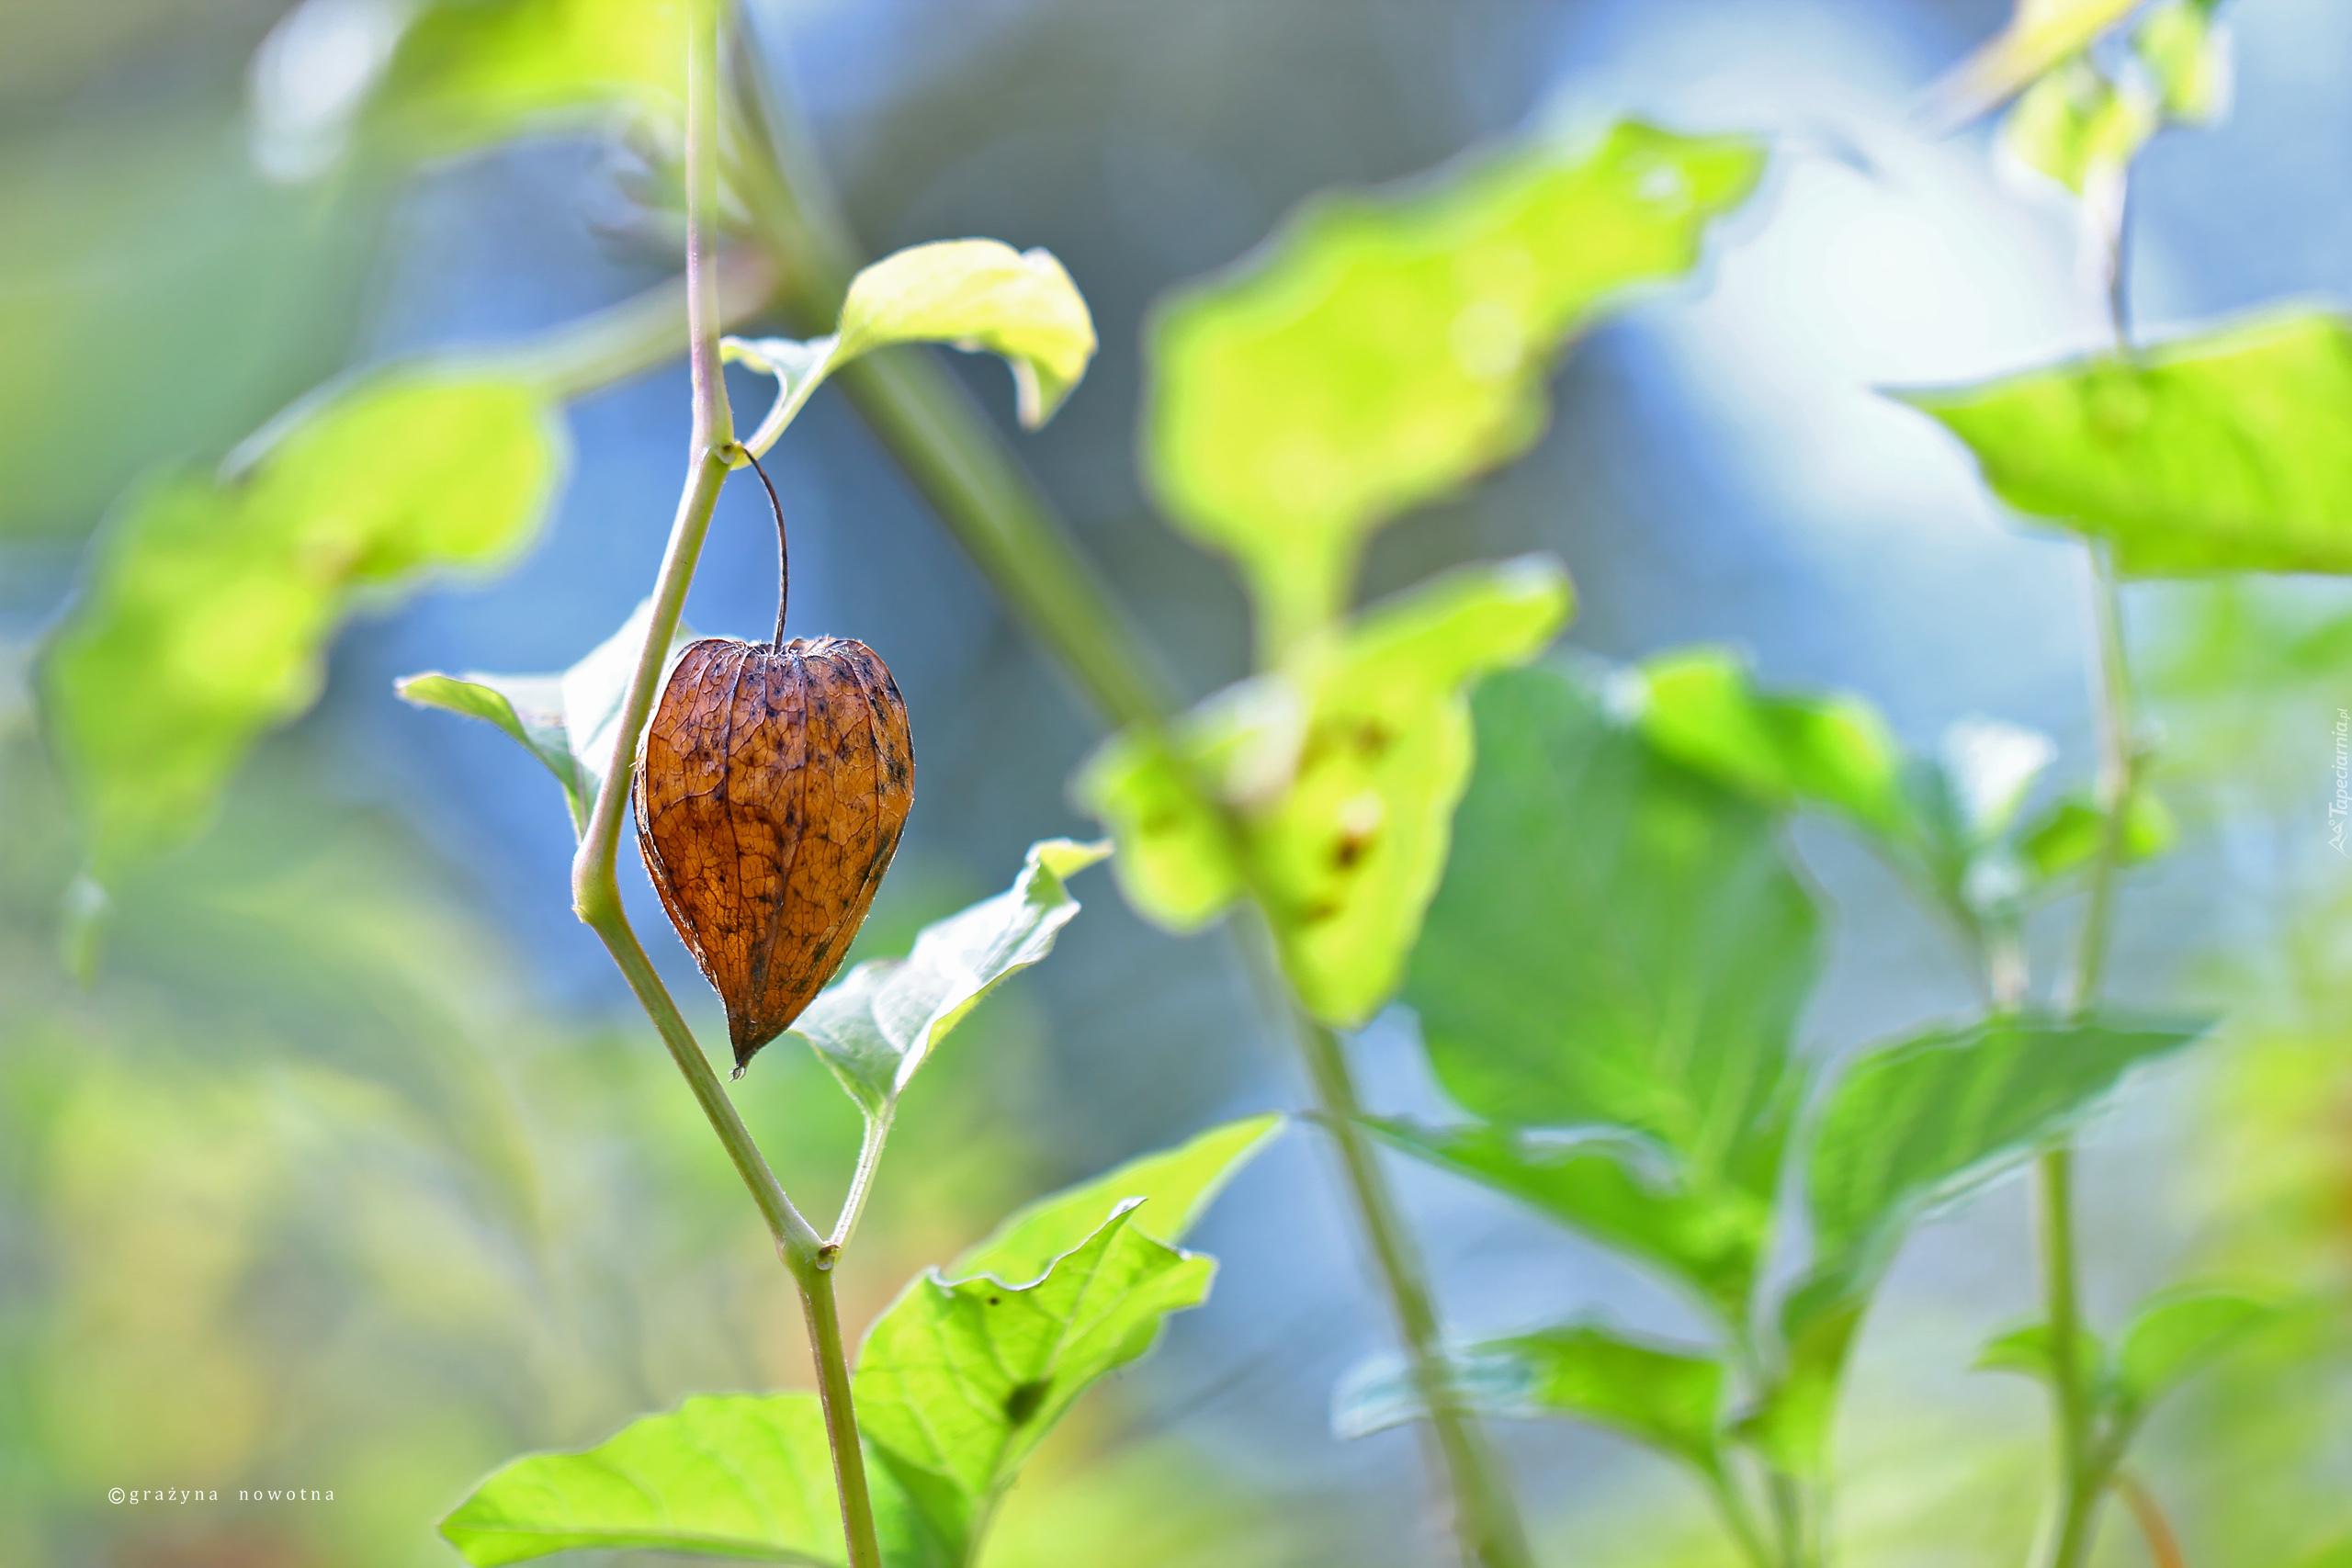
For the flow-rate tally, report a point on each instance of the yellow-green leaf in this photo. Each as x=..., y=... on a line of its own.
x=2220, y=453
x=2186, y=52
x=977, y=295
x=211, y=603
x=2039, y=34
x=471, y=72
x=2077, y=125
x=1701, y=706
x=1340, y=773
x=1383, y=349
x=877, y=1025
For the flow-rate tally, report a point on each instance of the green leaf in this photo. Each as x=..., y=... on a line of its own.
x=1701, y=706
x=2222, y=453
x=567, y=720
x=211, y=603
x=1795, y=1416
x=2029, y=1352
x=2041, y=34
x=875, y=1025
x=977, y=295
x=1710, y=1240
x=1383, y=349
x=468, y=72
x=2176, y=1334
x=2070, y=832
x=1340, y=772
x=1176, y=1187
x=960, y=1381
x=528, y=707
x=2078, y=127
x=1619, y=942
x=743, y=1476
x=1670, y=1398
x=1915, y=1126
x=2187, y=54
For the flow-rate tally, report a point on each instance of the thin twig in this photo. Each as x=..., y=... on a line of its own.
x=2164, y=1546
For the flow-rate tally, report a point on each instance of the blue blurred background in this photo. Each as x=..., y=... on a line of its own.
x=358, y=1168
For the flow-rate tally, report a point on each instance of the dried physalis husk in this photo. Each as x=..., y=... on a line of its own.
x=770, y=795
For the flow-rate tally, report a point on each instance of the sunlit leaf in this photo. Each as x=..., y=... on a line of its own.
x=958, y=1382
x=743, y=1476
x=1711, y=1241
x=2222, y=453
x=466, y=73
x=2186, y=50
x=1618, y=942
x=1383, y=349
x=1701, y=706
x=977, y=295
x=1176, y=1186
x=2077, y=125
x=2070, y=832
x=875, y=1025
x=1342, y=771
x=566, y=721
x=1670, y=1398
x=2176, y=1334
x=2039, y=34
x=211, y=603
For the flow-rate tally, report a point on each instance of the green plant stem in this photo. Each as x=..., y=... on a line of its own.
x=861, y=1186
x=2061, y=1310
x=2085, y=1464
x=596, y=884
x=956, y=458
x=946, y=447
x=841, y=1415
x=1485, y=1515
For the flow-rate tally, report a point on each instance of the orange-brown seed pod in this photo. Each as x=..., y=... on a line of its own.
x=770, y=795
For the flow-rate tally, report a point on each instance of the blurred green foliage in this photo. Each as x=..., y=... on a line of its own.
x=1381, y=351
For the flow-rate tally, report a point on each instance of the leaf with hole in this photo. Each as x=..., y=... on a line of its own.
x=1383, y=349
x=1340, y=773
x=1175, y=1187
x=961, y=1380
